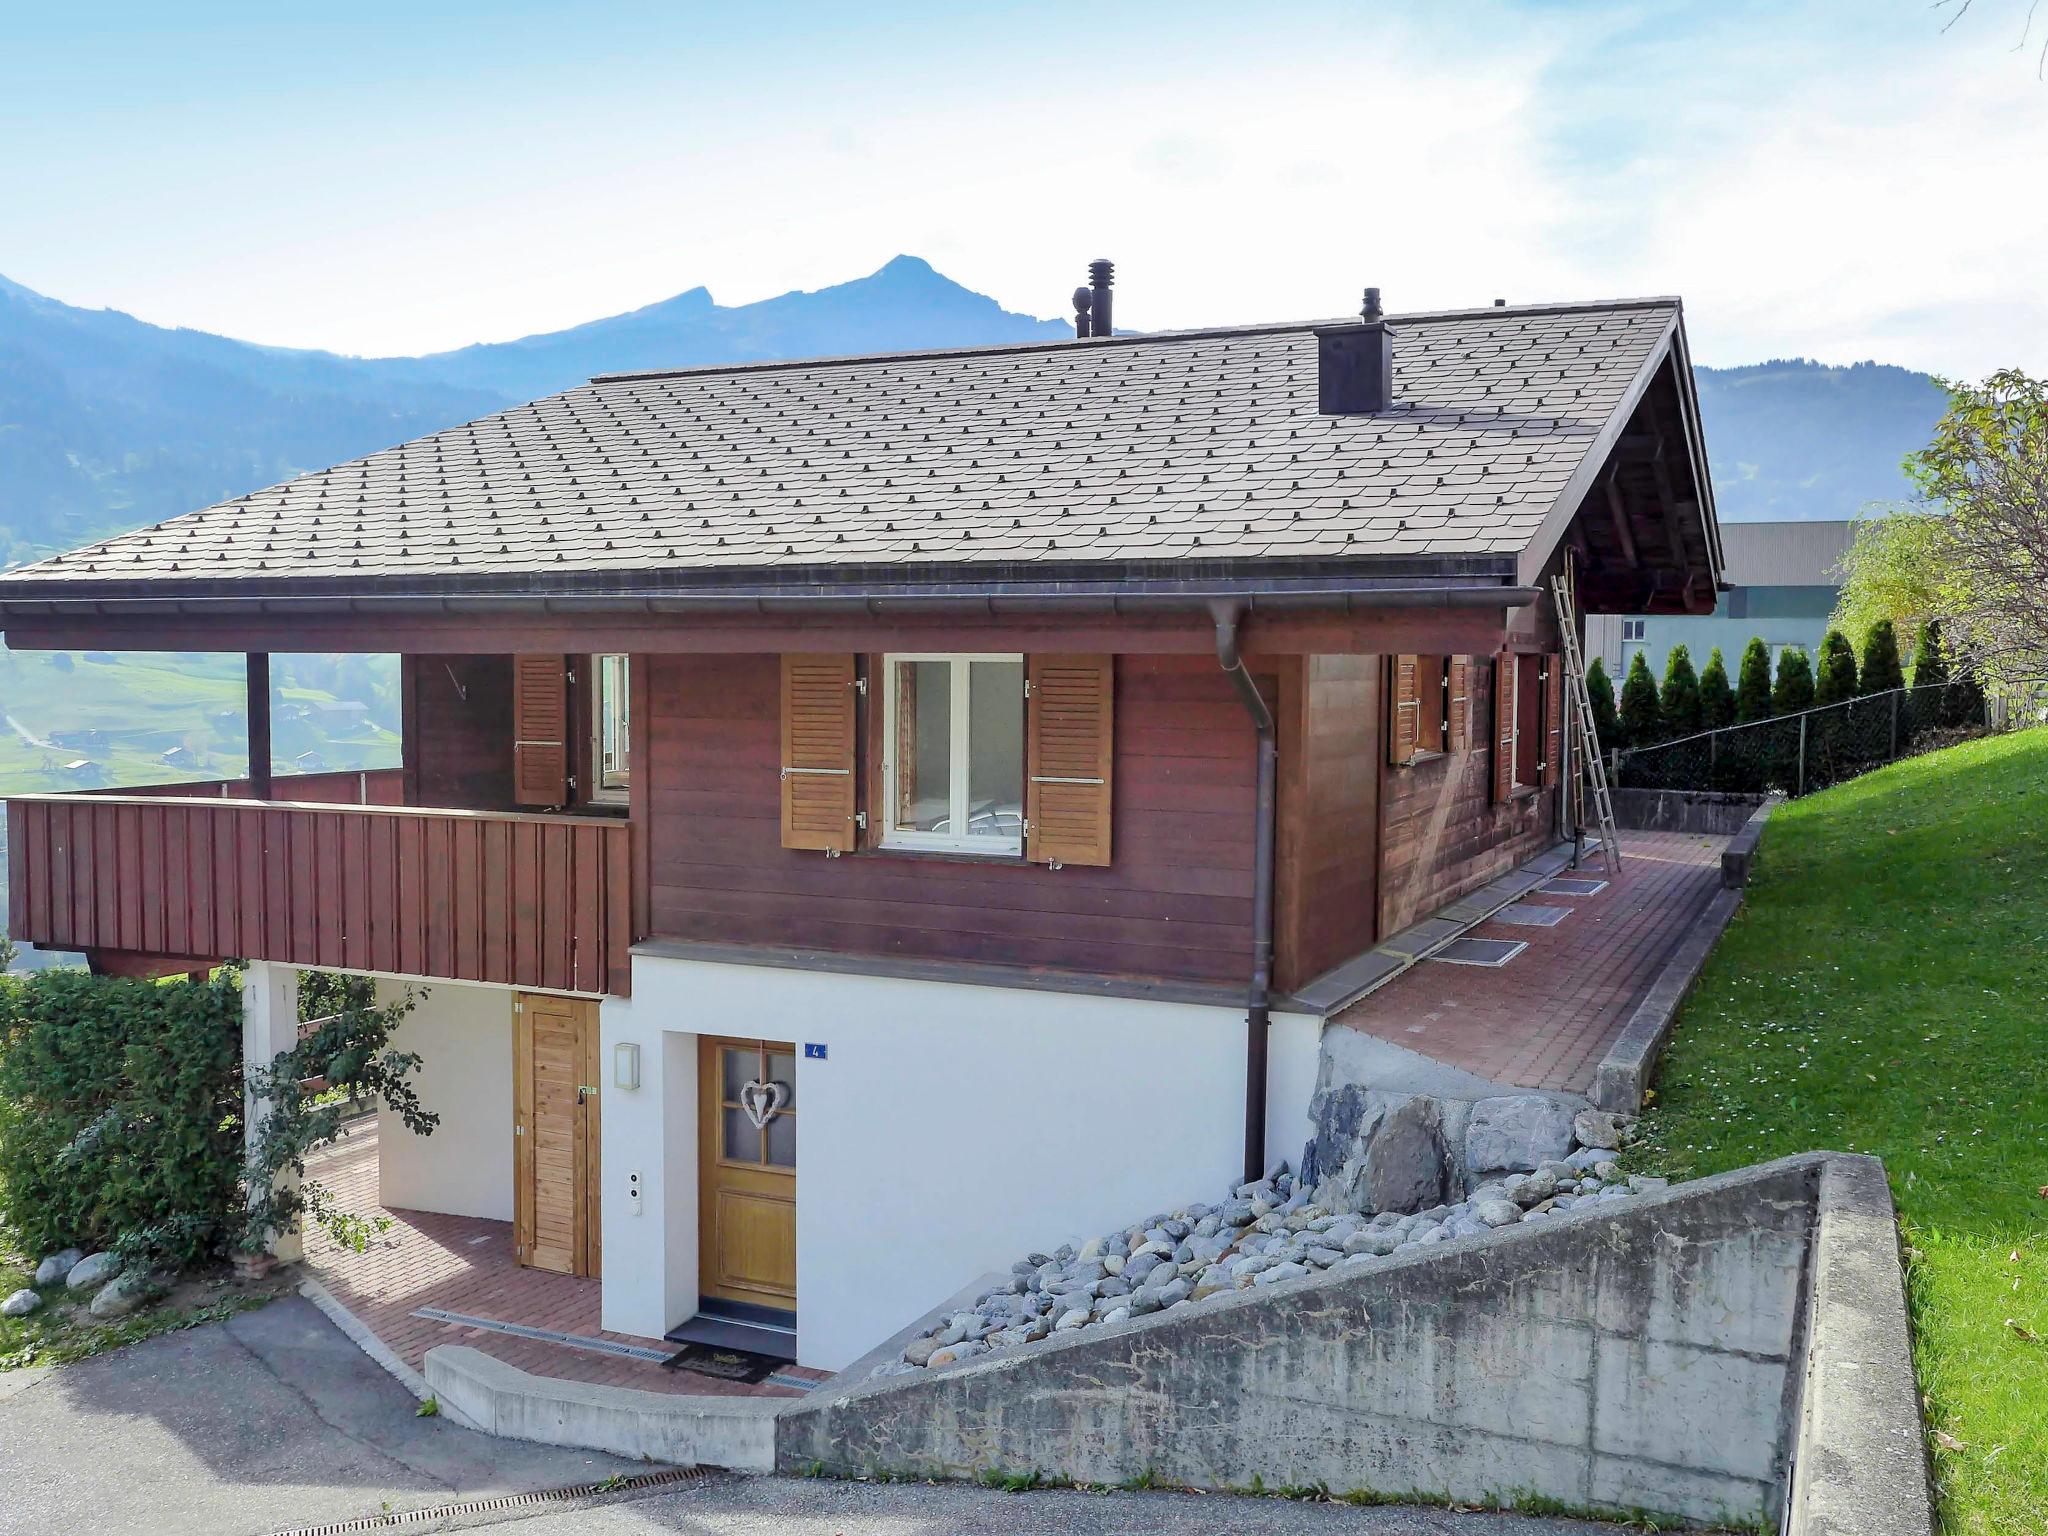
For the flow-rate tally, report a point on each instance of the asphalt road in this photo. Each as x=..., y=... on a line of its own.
x=273, y=1421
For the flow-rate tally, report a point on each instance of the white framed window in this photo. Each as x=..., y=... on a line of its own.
x=611, y=729
x=1632, y=629
x=953, y=753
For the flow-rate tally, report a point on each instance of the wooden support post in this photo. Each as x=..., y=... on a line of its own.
x=259, y=724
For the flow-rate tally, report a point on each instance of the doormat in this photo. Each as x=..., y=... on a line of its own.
x=739, y=1365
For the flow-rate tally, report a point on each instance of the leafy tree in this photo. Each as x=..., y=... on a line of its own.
x=1837, y=681
x=1642, y=718
x=1881, y=670
x=1980, y=563
x=1717, y=699
x=1600, y=694
x=1680, y=699
x=1794, y=689
x=1753, y=691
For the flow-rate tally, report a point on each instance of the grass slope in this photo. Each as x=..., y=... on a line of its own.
x=1885, y=990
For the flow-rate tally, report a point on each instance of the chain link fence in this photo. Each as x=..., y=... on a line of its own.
x=1799, y=753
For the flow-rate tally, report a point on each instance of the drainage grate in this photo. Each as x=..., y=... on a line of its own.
x=1487, y=952
x=1524, y=915
x=1573, y=887
x=678, y=1477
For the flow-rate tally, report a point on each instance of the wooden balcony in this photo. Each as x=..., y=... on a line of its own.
x=530, y=901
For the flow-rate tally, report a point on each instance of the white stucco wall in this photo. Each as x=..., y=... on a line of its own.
x=464, y=1037
x=949, y=1130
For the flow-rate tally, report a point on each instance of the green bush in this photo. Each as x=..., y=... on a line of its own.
x=1930, y=665
x=1642, y=718
x=1717, y=699
x=1753, y=689
x=1836, y=683
x=1881, y=669
x=1600, y=695
x=1679, y=702
x=121, y=1111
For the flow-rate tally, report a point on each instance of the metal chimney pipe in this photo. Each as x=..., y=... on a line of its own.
x=1101, y=273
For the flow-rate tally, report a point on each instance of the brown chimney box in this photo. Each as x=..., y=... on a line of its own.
x=1355, y=363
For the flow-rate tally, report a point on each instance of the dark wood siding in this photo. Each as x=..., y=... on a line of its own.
x=1328, y=832
x=531, y=901
x=458, y=717
x=1174, y=904
x=1441, y=832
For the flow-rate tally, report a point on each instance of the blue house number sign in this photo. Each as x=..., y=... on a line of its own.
x=813, y=1052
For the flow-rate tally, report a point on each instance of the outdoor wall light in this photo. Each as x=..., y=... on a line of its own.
x=625, y=1065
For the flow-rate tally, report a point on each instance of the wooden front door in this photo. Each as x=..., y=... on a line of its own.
x=555, y=1135
x=746, y=1162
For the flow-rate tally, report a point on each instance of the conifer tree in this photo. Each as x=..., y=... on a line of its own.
x=1600, y=694
x=1753, y=690
x=1717, y=699
x=1881, y=670
x=1680, y=699
x=1793, y=690
x=1837, y=681
x=1930, y=665
x=1642, y=719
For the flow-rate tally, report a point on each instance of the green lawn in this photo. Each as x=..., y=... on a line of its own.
x=1885, y=990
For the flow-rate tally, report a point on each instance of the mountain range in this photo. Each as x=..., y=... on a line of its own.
x=108, y=422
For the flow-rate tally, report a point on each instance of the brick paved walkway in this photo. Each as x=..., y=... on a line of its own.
x=464, y=1264
x=1546, y=1018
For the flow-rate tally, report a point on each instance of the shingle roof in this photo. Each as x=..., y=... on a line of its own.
x=1181, y=446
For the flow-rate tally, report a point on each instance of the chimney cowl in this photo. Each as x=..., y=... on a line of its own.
x=1355, y=363
x=1092, y=303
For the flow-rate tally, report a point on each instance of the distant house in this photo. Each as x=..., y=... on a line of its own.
x=1782, y=582
x=84, y=772
x=84, y=738
x=179, y=757
x=310, y=762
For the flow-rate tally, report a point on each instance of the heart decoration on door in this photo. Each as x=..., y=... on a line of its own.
x=763, y=1101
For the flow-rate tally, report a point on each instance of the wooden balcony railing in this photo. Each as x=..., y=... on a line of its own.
x=530, y=901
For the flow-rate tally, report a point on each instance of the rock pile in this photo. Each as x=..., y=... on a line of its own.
x=1260, y=1234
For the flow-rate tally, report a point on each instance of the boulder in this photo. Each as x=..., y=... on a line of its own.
x=20, y=1304
x=1497, y=1213
x=1517, y=1131
x=92, y=1272
x=1379, y=1152
x=57, y=1267
x=127, y=1293
x=1597, y=1128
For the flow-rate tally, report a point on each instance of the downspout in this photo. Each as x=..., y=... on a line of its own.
x=1259, y=993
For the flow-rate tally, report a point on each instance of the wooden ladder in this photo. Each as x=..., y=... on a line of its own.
x=1592, y=771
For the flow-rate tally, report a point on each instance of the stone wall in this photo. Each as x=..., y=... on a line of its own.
x=1646, y=1357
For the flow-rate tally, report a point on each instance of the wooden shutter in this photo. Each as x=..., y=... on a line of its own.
x=1458, y=705
x=1503, y=726
x=1553, y=717
x=817, y=753
x=540, y=730
x=1069, y=739
x=1407, y=712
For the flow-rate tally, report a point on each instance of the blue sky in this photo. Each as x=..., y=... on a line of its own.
x=1839, y=179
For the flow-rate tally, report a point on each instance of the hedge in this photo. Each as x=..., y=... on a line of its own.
x=121, y=1112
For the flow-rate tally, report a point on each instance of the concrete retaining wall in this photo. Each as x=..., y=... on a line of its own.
x=1646, y=1359
x=1682, y=810
x=678, y=1430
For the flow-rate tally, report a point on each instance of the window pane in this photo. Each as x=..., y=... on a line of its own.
x=738, y=1070
x=995, y=749
x=613, y=736
x=782, y=1069
x=742, y=1143
x=782, y=1141
x=924, y=746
